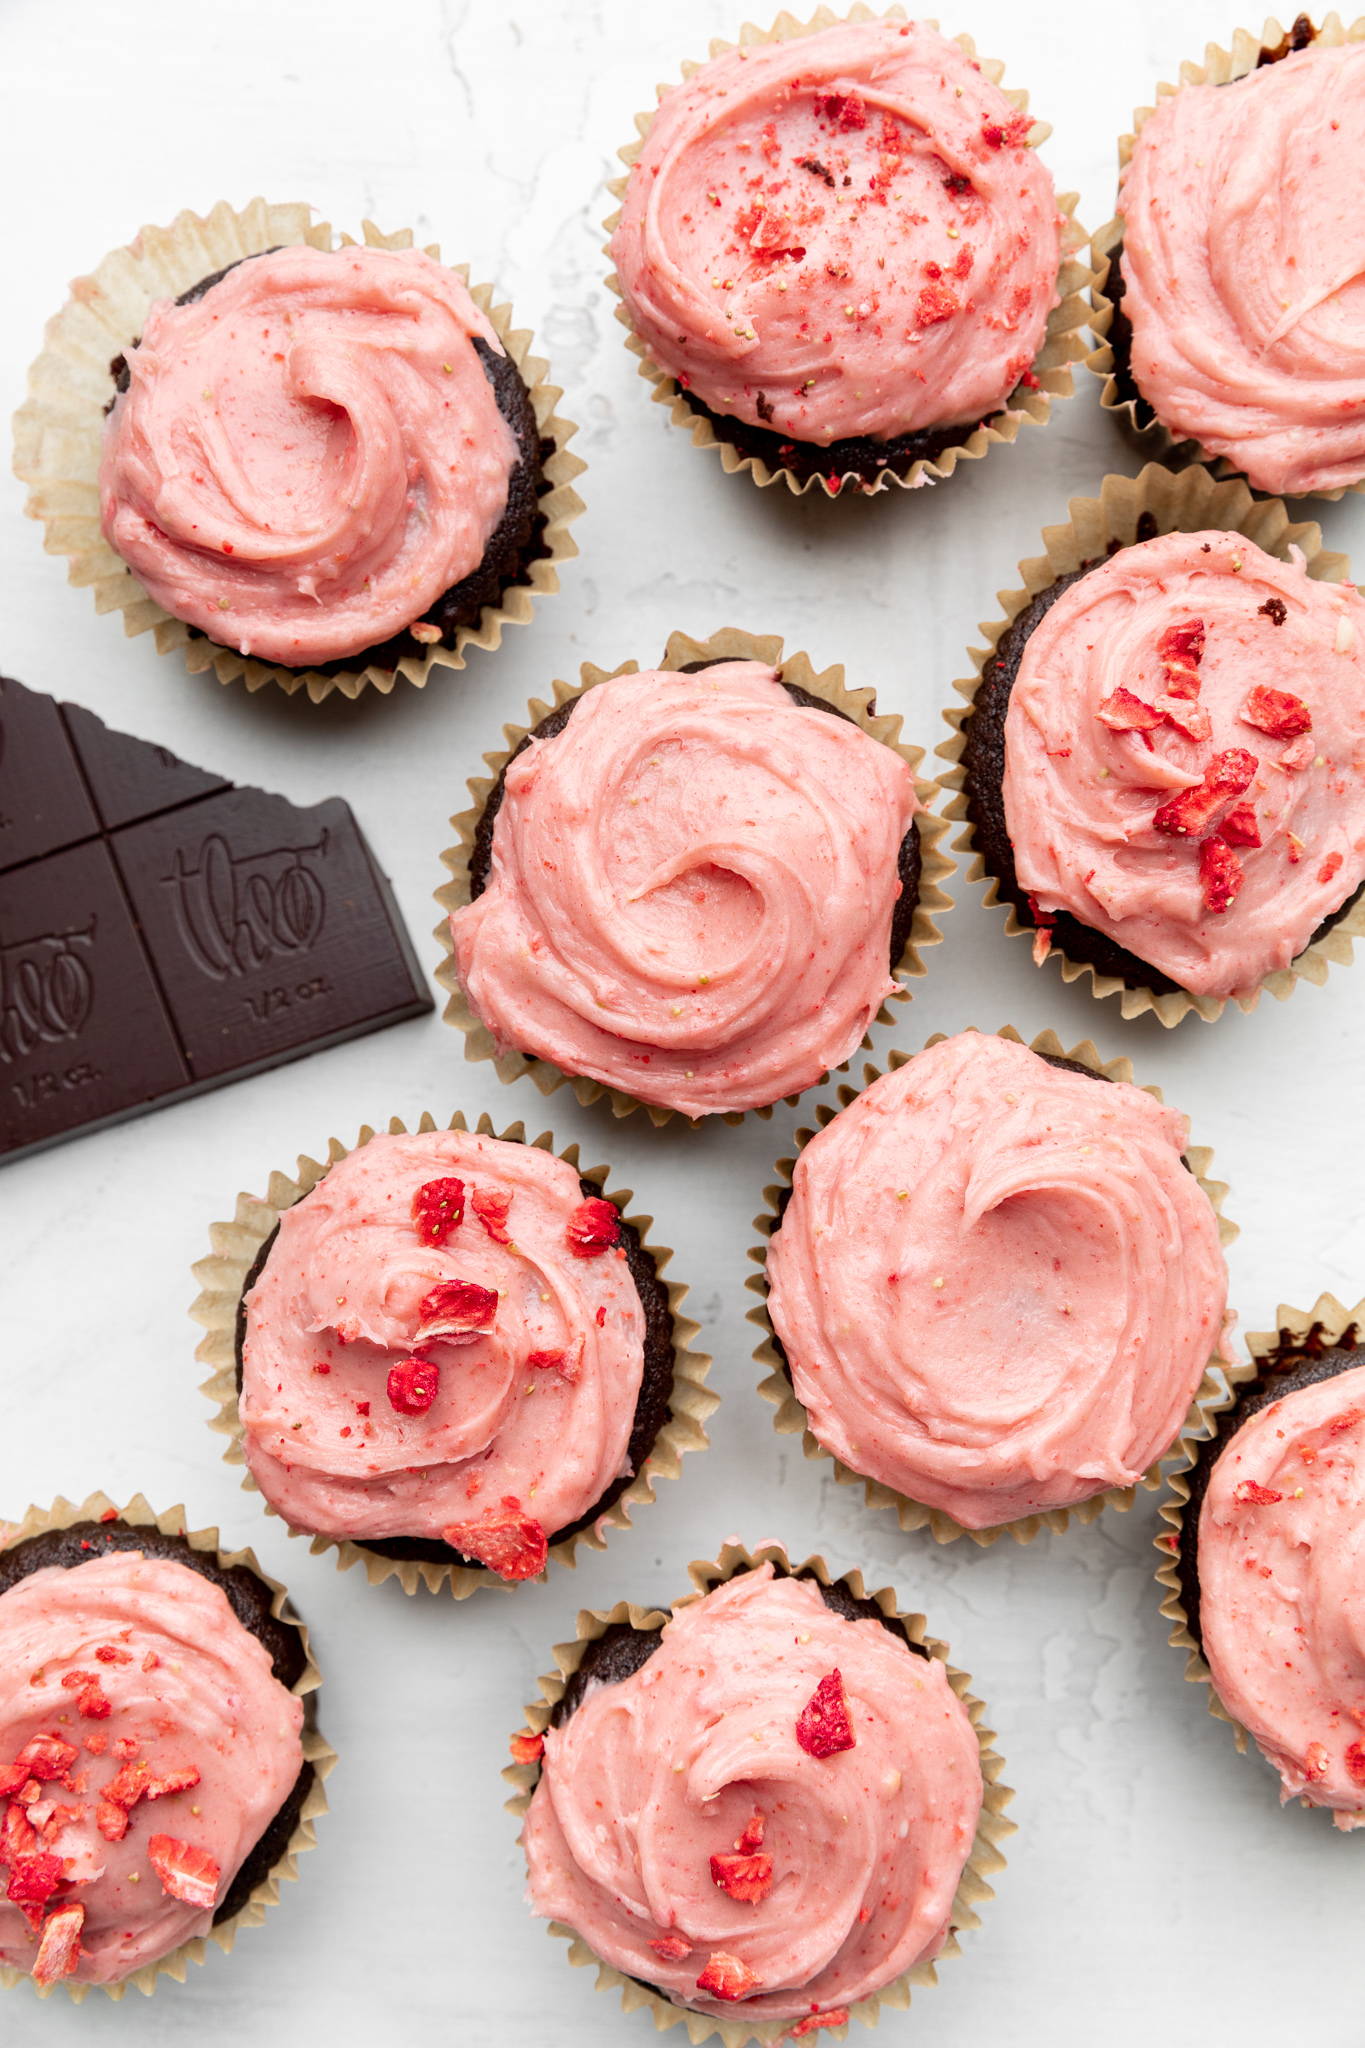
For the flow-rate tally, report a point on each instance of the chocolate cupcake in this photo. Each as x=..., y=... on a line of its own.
x=449, y=1354
x=1261, y=1564
x=691, y=889
x=141, y=1667
x=1228, y=324
x=318, y=465
x=785, y=1700
x=1159, y=762
x=839, y=259
x=992, y=1286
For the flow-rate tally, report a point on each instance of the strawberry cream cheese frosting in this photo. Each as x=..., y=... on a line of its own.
x=767, y=1820
x=996, y=1283
x=840, y=235
x=445, y=1341
x=1282, y=1589
x=1244, y=268
x=145, y=1747
x=310, y=454
x=692, y=890
x=1185, y=757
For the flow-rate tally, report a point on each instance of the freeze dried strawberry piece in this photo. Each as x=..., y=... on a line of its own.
x=725, y=1976
x=936, y=302
x=823, y=1727
x=554, y=1361
x=456, y=1309
x=107, y=1654
x=1315, y=1762
x=527, y=1749
x=1355, y=1762
x=746, y=1878
x=59, y=1950
x=1185, y=715
x=754, y=1828
x=34, y=1878
x=111, y=1819
x=674, y=1948
x=491, y=1205
x=837, y=2016
x=594, y=1227
x=1125, y=712
x=126, y=1748
x=1276, y=712
x=188, y=1874
x=1191, y=811
x=17, y=1838
x=57, y=1821
x=437, y=1208
x=845, y=109
x=1002, y=134
x=1220, y=875
x=46, y=1757
x=510, y=1543
x=1330, y=867
x=413, y=1385
x=1240, y=828
x=11, y=1778
x=1251, y=1494
x=1180, y=651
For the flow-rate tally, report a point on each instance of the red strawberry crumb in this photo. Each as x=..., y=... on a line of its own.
x=936, y=302
x=527, y=1749
x=109, y=1515
x=107, y=1654
x=601, y=1317
x=746, y=1878
x=1276, y=712
x=754, y=1828
x=845, y=109
x=490, y=1205
x=96, y=1742
x=725, y=1976
x=593, y=1228
x=1191, y=811
x=510, y=1543
x=823, y=1727
x=1125, y=712
x=1220, y=875
x=59, y=1950
x=1240, y=828
x=1315, y=1762
x=1355, y=1762
x=1329, y=867
x=413, y=1385
x=674, y=1948
x=1251, y=1494
x=457, y=1308
x=126, y=1748
x=188, y=1874
x=437, y=1208
x=837, y=2016
x=34, y=1878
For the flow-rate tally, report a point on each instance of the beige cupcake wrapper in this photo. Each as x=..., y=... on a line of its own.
x=59, y=430
x=316, y=1749
x=1064, y=342
x=827, y=684
x=985, y=1861
x=1179, y=501
x=222, y=1279
x=1220, y=67
x=790, y=1416
x=1261, y=1344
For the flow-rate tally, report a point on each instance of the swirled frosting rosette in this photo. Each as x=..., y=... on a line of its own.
x=996, y=1285
x=448, y=1353
x=799, y=1803
x=159, y=1766
x=692, y=889
x=1233, y=307
x=318, y=464
x=839, y=252
x=1263, y=1564
x=1160, y=763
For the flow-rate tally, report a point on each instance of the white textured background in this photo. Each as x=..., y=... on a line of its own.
x=1155, y=1884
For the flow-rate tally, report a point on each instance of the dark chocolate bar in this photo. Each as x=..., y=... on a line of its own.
x=162, y=932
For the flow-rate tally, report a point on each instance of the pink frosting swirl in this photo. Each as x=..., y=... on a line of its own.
x=339, y=1304
x=1282, y=1589
x=996, y=1283
x=1244, y=268
x=1082, y=798
x=309, y=455
x=651, y=1777
x=691, y=891
x=188, y=1690
x=841, y=234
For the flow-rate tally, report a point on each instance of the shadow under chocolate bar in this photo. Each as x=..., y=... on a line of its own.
x=163, y=932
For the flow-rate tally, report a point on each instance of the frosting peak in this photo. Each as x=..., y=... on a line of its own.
x=692, y=890
x=310, y=454
x=996, y=1283
x=654, y=1778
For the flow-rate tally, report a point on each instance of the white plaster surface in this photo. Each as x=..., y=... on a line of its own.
x=1155, y=1886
